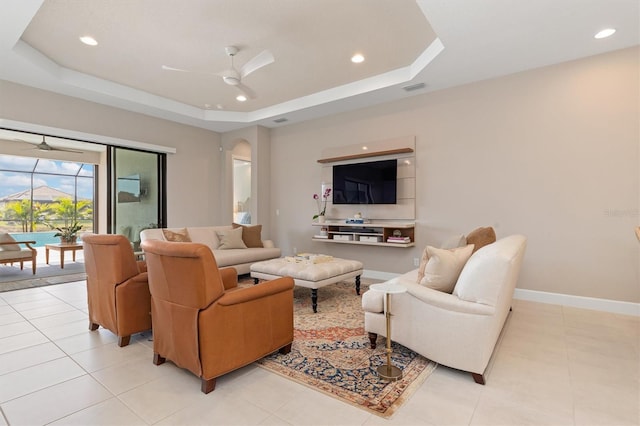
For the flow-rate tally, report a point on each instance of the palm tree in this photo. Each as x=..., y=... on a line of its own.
x=21, y=211
x=70, y=211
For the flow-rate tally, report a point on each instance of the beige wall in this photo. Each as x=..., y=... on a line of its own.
x=192, y=172
x=550, y=153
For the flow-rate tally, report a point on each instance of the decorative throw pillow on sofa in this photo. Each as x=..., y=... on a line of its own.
x=251, y=235
x=444, y=266
x=480, y=237
x=231, y=239
x=454, y=241
x=181, y=236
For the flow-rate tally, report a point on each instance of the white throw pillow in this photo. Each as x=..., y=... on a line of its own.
x=444, y=266
x=6, y=238
x=231, y=239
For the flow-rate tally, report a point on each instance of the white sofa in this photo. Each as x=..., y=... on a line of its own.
x=459, y=330
x=241, y=259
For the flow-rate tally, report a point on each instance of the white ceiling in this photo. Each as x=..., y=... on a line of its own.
x=441, y=43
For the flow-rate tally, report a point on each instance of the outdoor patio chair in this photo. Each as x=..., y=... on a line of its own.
x=11, y=251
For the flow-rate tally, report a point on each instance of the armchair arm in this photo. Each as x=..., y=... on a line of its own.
x=229, y=278
x=267, y=244
x=141, y=277
x=142, y=266
x=260, y=291
x=27, y=243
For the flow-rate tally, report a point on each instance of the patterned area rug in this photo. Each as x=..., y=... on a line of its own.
x=331, y=353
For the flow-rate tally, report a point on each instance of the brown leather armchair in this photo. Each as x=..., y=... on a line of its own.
x=117, y=286
x=203, y=322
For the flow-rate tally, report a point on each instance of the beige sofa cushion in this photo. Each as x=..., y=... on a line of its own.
x=481, y=237
x=444, y=266
x=233, y=257
x=231, y=239
x=251, y=235
x=205, y=235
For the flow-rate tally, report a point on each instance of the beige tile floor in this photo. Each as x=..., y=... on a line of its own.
x=553, y=366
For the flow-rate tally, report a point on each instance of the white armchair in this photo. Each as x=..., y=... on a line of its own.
x=459, y=330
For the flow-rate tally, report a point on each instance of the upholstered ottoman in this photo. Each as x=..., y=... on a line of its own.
x=310, y=273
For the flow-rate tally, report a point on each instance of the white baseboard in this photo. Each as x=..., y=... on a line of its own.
x=605, y=305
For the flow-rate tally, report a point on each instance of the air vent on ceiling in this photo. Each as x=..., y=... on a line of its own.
x=413, y=87
x=280, y=120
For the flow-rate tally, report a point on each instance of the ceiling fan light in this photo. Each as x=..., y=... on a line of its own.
x=241, y=98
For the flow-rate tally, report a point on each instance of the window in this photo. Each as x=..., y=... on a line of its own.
x=38, y=194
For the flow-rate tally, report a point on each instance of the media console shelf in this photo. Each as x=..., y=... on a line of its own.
x=371, y=234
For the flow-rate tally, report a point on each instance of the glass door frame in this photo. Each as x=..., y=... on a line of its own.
x=161, y=169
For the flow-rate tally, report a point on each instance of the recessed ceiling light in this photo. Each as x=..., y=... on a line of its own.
x=364, y=148
x=357, y=58
x=605, y=33
x=89, y=41
x=241, y=98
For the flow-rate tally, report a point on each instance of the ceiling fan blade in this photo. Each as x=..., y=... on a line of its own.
x=66, y=150
x=250, y=94
x=168, y=68
x=260, y=60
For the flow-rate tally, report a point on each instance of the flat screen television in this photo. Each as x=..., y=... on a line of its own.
x=129, y=189
x=373, y=182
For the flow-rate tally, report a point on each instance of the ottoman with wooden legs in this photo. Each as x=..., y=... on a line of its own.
x=313, y=273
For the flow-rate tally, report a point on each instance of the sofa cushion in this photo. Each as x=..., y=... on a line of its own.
x=233, y=257
x=423, y=264
x=231, y=239
x=205, y=235
x=480, y=237
x=251, y=235
x=444, y=266
x=7, y=238
x=177, y=236
x=454, y=241
x=12, y=254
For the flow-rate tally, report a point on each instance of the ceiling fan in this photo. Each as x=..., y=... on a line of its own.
x=232, y=76
x=44, y=146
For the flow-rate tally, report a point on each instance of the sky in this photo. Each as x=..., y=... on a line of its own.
x=12, y=178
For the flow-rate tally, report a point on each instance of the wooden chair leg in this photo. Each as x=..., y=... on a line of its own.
x=372, y=340
x=123, y=340
x=33, y=266
x=208, y=385
x=21, y=265
x=478, y=378
x=93, y=326
x=157, y=359
x=285, y=349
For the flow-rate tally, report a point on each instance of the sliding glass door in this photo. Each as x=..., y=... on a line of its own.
x=137, y=192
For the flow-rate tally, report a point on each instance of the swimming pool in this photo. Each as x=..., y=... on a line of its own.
x=41, y=238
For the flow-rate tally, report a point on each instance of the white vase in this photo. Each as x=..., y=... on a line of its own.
x=321, y=219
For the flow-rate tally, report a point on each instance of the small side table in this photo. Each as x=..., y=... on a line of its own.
x=388, y=371
x=62, y=248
